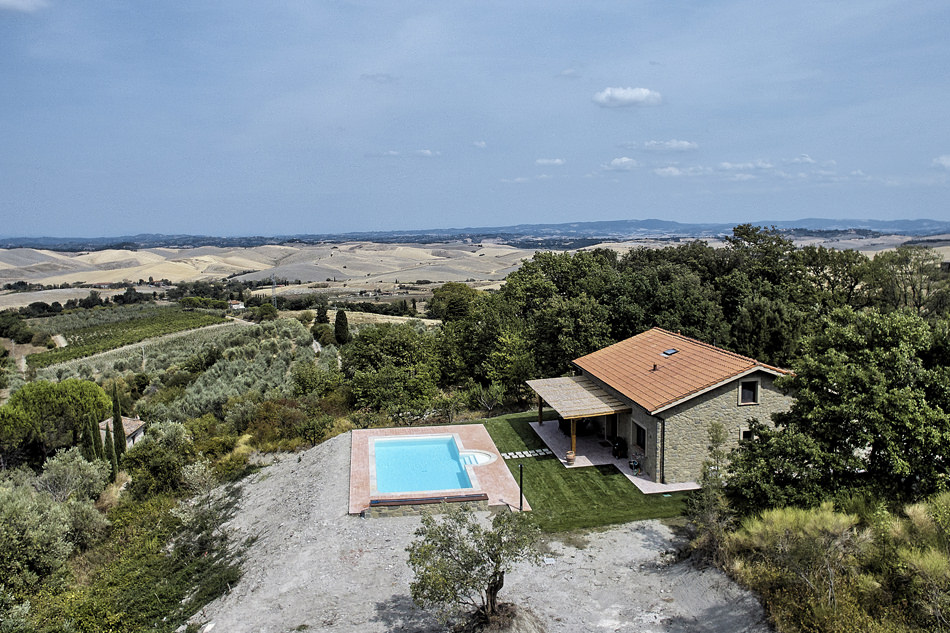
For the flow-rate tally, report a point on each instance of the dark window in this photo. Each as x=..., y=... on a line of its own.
x=641, y=437
x=749, y=392
x=747, y=435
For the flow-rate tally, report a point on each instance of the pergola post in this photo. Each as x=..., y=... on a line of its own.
x=540, y=411
x=573, y=436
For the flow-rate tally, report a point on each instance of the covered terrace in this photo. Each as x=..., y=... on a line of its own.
x=577, y=398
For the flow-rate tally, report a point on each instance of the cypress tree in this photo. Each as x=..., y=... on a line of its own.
x=110, y=455
x=96, y=438
x=341, y=328
x=88, y=446
x=118, y=429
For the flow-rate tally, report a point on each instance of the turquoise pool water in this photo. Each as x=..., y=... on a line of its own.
x=420, y=463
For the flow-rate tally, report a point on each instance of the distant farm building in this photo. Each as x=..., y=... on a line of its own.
x=134, y=429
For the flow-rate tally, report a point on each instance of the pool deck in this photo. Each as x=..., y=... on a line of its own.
x=494, y=479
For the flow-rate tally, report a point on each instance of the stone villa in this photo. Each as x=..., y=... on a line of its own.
x=659, y=391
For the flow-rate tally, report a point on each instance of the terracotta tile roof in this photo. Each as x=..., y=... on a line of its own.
x=129, y=425
x=694, y=367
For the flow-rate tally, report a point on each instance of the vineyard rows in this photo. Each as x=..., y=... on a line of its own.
x=109, y=334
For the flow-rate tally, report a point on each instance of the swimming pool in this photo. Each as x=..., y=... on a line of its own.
x=417, y=463
x=487, y=473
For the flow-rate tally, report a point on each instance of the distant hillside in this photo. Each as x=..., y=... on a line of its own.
x=564, y=235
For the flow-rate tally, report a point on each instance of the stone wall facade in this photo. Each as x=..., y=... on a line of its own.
x=686, y=433
x=680, y=435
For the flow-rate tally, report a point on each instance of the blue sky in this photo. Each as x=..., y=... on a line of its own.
x=236, y=118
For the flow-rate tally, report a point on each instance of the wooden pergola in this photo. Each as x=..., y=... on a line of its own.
x=575, y=397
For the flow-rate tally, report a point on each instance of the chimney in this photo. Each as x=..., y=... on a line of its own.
x=654, y=367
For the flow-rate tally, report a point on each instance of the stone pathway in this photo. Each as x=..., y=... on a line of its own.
x=538, y=452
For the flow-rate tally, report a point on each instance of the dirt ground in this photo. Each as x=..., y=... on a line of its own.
x=313, y=567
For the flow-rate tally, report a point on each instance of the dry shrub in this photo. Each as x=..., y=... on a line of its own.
x=920, y=519
x=110, y=496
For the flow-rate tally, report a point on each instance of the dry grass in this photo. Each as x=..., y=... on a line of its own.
x=110, y=496
x=357, y=263
x=368, y=318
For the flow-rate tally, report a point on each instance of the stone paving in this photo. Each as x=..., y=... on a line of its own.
x=538, y=452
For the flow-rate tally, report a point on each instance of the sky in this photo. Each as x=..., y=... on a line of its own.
x=273, y=118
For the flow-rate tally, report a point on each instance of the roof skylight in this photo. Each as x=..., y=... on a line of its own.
x=670, y=351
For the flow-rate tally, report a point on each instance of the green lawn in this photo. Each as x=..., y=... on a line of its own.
x=567, y=499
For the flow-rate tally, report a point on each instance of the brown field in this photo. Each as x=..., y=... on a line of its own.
x=358, y=261
x=340, y=269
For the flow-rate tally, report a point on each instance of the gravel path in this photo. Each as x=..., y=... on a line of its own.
x=313, y=567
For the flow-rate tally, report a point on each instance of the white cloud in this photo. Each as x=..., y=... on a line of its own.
x=518, y=180
x=626, y=97
x=480, y=144
x=674, y=171
x=672, y=145
x=391, y=153
x=804, y=159
x=569, y=73
x=549, y=161
x=942, y=161
x=623, y=163
x=27, y=6
x=756, y=164
x=742, y=177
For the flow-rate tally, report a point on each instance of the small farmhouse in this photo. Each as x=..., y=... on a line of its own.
x=655, y=394
x=134, y=429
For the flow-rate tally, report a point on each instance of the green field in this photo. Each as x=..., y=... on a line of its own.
x=104, y=336
x=568, y=499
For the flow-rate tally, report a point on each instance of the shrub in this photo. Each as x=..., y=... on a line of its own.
x=68, y=476
x=34, y=536
x=155, y=463
x=812, y=553
x=87, y=525
x=154, y=469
